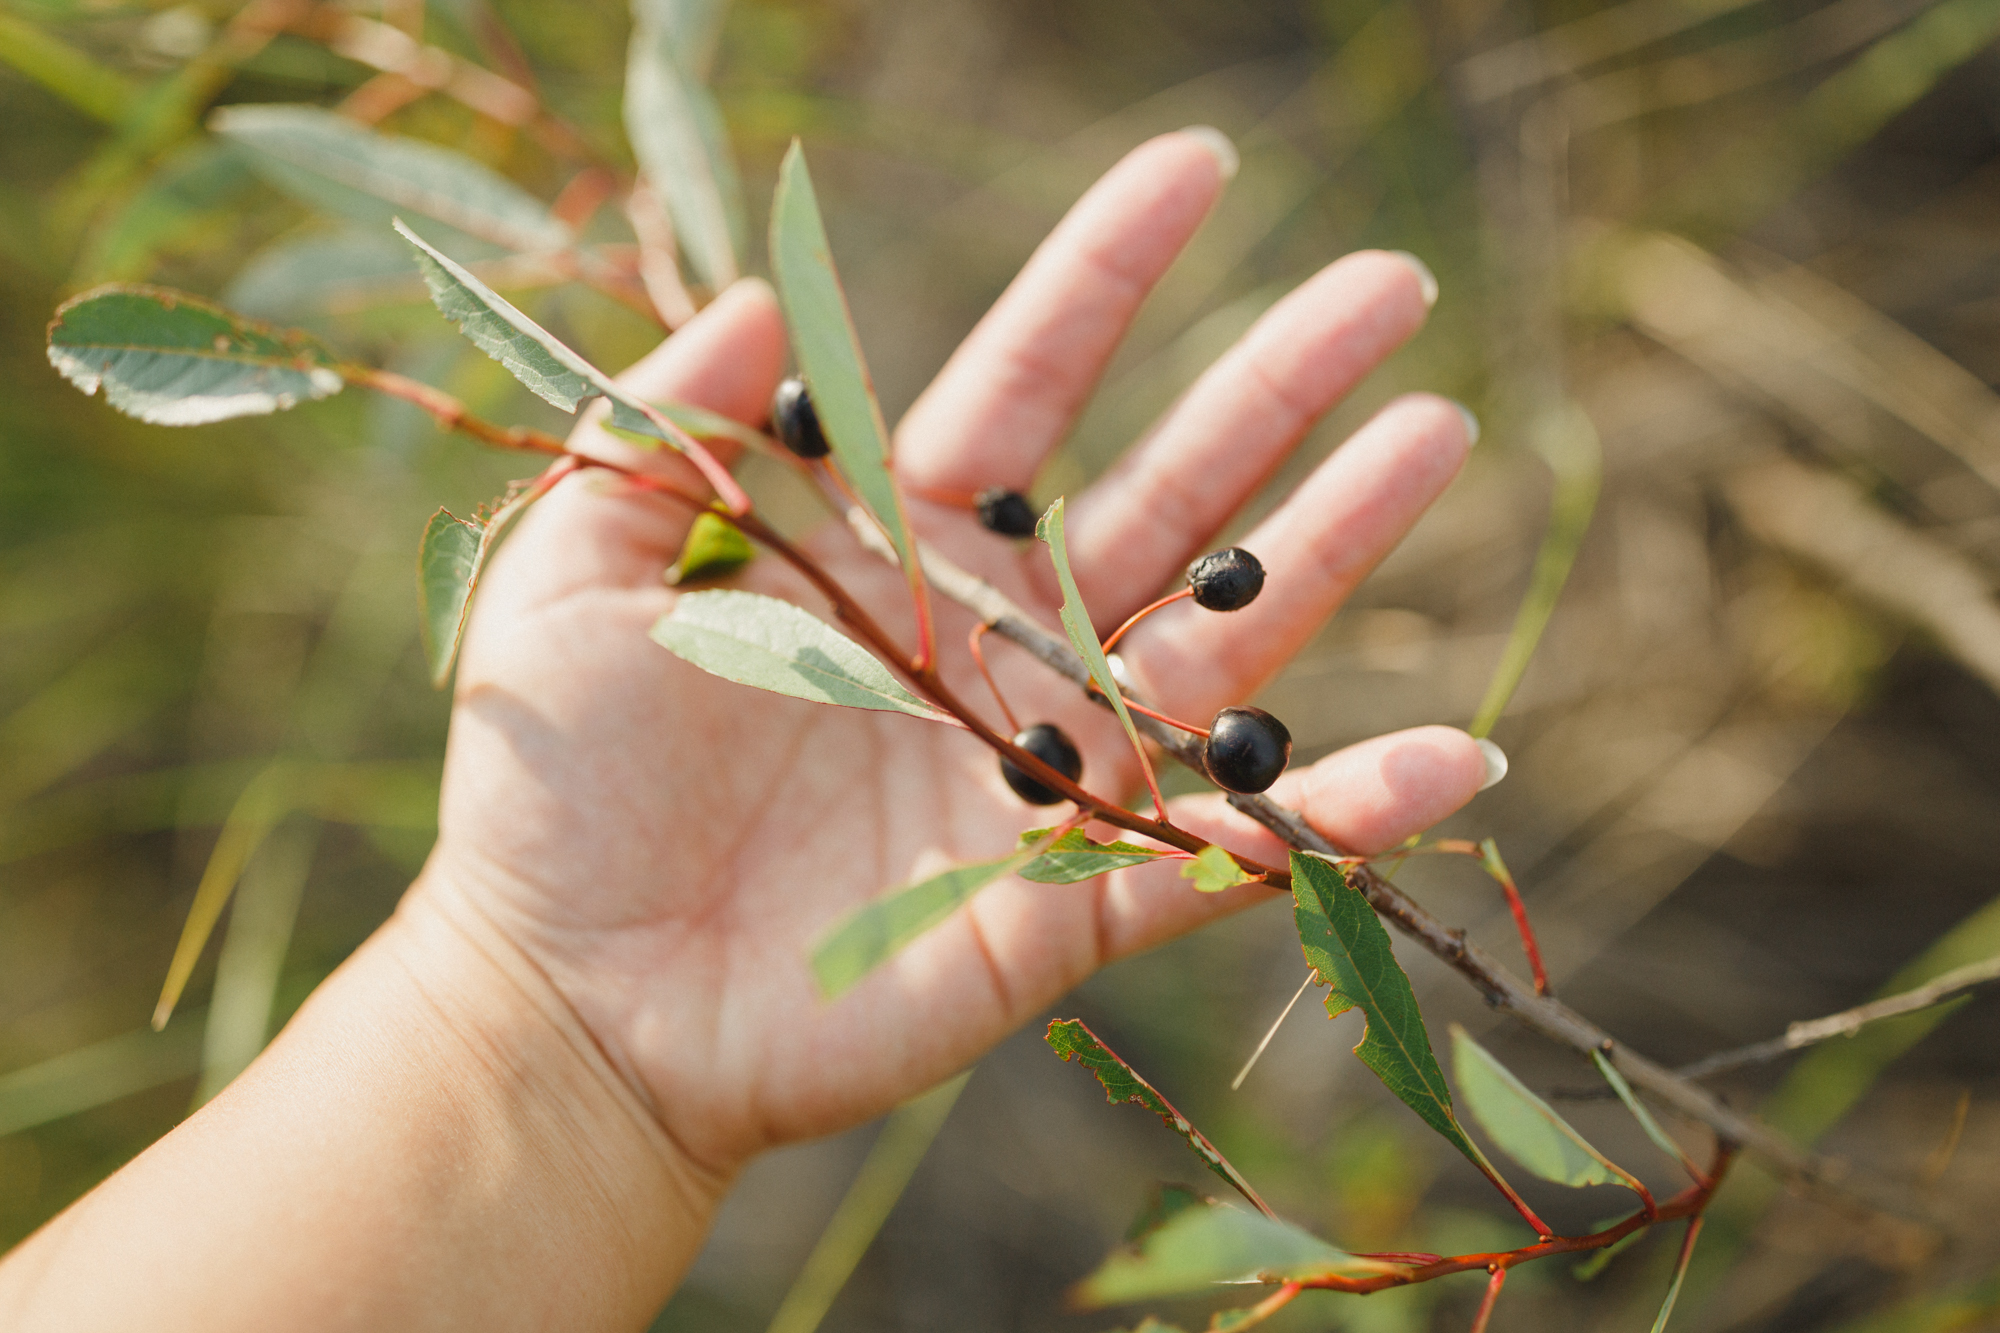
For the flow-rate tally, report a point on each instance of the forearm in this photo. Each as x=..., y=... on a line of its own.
x=432, y=1142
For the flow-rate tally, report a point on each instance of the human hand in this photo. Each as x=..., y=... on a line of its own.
x=666, y=847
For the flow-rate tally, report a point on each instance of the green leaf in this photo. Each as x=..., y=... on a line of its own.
x=677, y=133
x=452, y=557
x=1071, y=1038
x=1349, y=950
x=447, y=562
x=326, y=161
x=1213, y=870
x=770, y=644
x=175, y=360
x=534, y=356
x=1167, y=1201
x=324, y=272
x=694, y=25
x=1661, y=1139
x=873, y=934
x=1526, y=1127
x=1200, y=1247
x=1075, y=858
x=706, y=425
x=1680, y=1275
x=829, y=351
x=714, y=547
x=1076, y=617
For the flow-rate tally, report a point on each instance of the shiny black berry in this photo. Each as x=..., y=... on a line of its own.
x=1247, y=749
x=1045, y=741
x=796, y=421
x=1005, y=512
x=1226, y=580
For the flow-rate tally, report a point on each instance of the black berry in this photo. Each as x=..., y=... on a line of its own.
x=796, y=421
x=1226, y=580
x=1047, y=742
x=1247, y=749
x=1005, y=512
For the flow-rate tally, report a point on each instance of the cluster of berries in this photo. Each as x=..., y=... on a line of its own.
x=1246, y=749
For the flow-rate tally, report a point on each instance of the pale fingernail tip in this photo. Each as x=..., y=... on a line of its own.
x=1426, y=279
x=1217, y=143
x=1496, y=762
x=1471, y=424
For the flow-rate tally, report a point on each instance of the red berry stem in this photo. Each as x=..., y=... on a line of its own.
x=1493, y=1285
x=1162, y=717
x=1140, y=615
x=979, y=656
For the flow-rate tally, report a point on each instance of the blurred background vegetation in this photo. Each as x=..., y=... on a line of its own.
x=1721, y=278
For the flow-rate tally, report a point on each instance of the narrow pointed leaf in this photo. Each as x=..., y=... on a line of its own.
x=446, y=565
x=329, y=162
x=1072, y=1039
x=695, y=25
x=1680, y=1275
x=677, y=133
x=1349, y=950
x=770, y=644
x=174, y=360
x=876, y=932
x=706, y=425
x=1213, y=870
x=452, y=557
x=1526, y=1127
x=829, y=351
x=1076, y=617
x=714, y=547
x=1200, y=1247
x=538, y=358
x=1074, y=858
x=1661, y=1139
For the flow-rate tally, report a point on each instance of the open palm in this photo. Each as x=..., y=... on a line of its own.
x=668, y=846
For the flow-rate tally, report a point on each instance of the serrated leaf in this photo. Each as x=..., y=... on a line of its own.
x=1213, y=870
x=1200, y=1247
x=536, y=357
x=176, y=360
x=1072, y=1039
x=1349, y=950
x=1076, y=617
x=877, y=931
x=714, y=547
x=677, y=133
x=450, y=560
x=1074, y=858
x=829, y=351
x=329, y=162
x=1524, y=1126
x=770, y=644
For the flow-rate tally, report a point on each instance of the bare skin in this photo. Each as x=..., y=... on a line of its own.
x=519, y=1103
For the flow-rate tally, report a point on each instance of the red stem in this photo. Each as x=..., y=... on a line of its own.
x=1489, y=853
x=1140, y=615
x=1493, y=1285
x=1170, y=721
x=979, y=656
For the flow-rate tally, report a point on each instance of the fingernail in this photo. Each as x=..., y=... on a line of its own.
x=1496, y=762
x=1471, y=433
x=1425, y=278
x=1216, y=142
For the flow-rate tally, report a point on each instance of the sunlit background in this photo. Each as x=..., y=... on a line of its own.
x=1722, y=279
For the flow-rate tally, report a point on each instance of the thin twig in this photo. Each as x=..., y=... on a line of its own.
x=1848, y=1021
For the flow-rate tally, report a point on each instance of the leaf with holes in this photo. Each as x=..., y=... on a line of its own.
x=328, y=162
x=876, y=932
x=1074, y=858
x=1072, y=1039
x=677, y=133
x=1076, y=618
x=174, y=360
x=1213, y=870
x=770, y=644
x=1201, y=1246
x=1526, y=1127
x=829, y=352
x=1349, y=950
